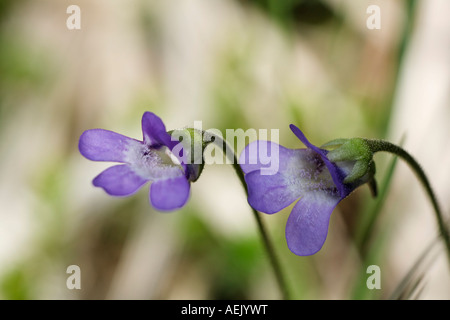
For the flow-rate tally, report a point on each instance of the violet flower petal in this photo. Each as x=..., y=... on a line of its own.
x=305, y=141
x=300, y=172
x=169, y=194
x=261, y=154
x=269, y=194
x=105, y=145
x=307, y=225
x=119, y=180
x=154, y=131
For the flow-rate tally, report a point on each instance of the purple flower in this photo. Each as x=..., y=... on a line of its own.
x=150, y=160
x=305, y=174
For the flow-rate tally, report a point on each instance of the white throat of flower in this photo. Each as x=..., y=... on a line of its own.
x=153, y=163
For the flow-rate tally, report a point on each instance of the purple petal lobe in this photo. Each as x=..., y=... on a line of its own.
x=104, y=145
x=301, y=171
x=269, y=194
x=154, y=131
x=262, y=155
x=305, y=141
x=169, y=194
x=119, y=180
x=307, y=225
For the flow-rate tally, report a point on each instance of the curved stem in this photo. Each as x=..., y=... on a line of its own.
x=279, y=275
x=381, y=145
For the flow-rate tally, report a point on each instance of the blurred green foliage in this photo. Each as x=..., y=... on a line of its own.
x=292, y=13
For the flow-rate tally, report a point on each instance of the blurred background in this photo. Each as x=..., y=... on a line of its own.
x=261, y=64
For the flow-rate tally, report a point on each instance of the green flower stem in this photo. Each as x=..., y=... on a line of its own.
x=279, y=275
x=381, y=145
